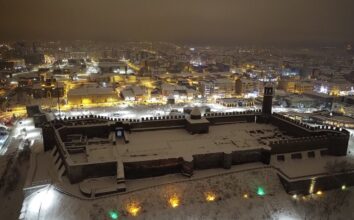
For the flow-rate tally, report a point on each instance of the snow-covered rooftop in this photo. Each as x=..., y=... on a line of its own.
x=310, y=166
x=173, y=143
x=91, y=90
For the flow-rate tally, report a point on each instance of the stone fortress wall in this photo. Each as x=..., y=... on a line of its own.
x=304, y=138
x=332, y=140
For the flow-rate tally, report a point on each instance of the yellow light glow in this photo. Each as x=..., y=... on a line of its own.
x=86, y=101
x=133, y=208
x=210, y=196
x=174, y=201
x=245, y=196
x=319, y=192
x=110, y=100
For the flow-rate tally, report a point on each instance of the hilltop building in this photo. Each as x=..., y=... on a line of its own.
x=107, y=152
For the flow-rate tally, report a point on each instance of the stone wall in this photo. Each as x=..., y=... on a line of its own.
x=308, y=137
x=305, y=138
x=232, y=117
x=79, y=172
x=152, y=168
x=159, y=122
x=208, y=161
x=48, y=137
x=300, y=144
x=100, y=130
x=246, y=156
x=325, y=182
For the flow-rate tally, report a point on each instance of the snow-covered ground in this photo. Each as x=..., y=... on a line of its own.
x=189, y=197
x=229, y=191
x=22, y=129
x=351, y=144
x=11, y=200
x=139, y=111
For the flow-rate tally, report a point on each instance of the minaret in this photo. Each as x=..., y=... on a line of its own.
x=267, y=100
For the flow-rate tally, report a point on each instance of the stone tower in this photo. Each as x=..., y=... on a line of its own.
x=267, y=100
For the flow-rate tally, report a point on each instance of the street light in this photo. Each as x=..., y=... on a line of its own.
x=260, y=191
x=113, y=214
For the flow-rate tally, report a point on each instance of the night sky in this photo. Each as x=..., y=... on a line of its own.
x=189, y=21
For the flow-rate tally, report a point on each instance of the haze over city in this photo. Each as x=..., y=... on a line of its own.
x=222, y=22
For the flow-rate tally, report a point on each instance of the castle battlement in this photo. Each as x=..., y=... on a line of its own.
x=309, y=128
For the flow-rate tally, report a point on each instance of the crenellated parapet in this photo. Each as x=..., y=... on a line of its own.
x=162, y=121
x=240, y=113
x=227, y=117
x=299, y=144
x=331, y=137
x=97, y=118
x=309, y=128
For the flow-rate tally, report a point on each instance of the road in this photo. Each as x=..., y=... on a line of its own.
x=17, y=136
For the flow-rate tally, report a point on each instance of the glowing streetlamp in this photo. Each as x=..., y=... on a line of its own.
x=174, y=201
x=260, y=191
x=113, y=214
x=344, y=187
x=210, y=196
x=133, y=208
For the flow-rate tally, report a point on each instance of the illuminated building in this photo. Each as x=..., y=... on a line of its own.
x=337, y=88
x=235, y=102
x=206, y=88
x=335, y=120
x=49, y=89
x=238, y=87
x=28, y=80
x=177, y=92
x=245, y=86
x=108, y=65
x=91, y=94
x=224, y=86
x=290, y=72
x=300, y=101
x=133, y=93
x=12, y=64
x=303, y=86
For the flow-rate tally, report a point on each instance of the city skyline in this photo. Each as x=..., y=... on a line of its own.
x=166, y=109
